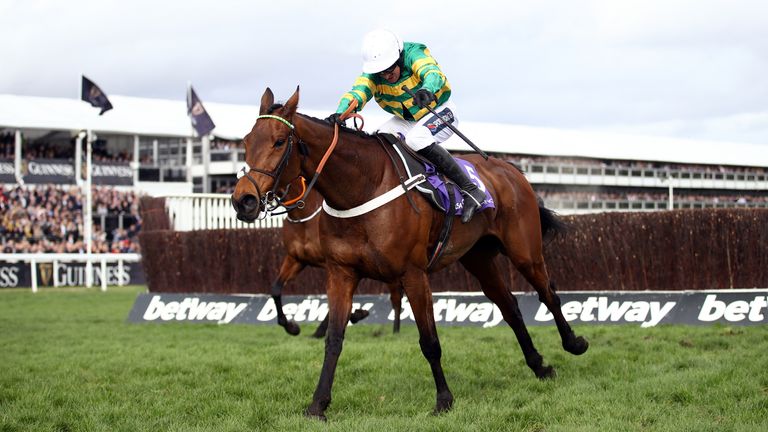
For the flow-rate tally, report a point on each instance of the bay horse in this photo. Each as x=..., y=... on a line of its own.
x=391, y=243
x=301, y=239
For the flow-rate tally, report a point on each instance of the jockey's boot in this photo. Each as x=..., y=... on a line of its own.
x=473, y=196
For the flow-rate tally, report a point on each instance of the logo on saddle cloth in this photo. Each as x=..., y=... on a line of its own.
x=458, y=200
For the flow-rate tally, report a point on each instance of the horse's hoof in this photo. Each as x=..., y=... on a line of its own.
x=315, y=415
x=577, y=346
x=545, y=372
x=316, y=409
x=444, y=404
x=319, y=333
x=358, y=315
x=292, y=328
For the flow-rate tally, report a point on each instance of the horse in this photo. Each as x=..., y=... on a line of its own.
x=301, y=238
x=392, y=243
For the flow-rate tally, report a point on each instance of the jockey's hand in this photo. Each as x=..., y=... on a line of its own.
x=335, y=118
x=423, y=98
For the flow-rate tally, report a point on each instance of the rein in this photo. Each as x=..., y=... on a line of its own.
x=345, y=115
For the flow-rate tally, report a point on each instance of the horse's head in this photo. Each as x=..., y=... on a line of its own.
x=269, y=151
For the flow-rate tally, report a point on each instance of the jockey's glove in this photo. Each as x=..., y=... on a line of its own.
x=335, y=118
x=423, y=98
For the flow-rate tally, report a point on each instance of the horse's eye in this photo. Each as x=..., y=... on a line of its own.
x=279, y=142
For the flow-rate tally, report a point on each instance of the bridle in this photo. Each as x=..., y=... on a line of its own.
x=271, y=200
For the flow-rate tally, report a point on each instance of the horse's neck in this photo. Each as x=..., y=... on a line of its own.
x=353, y=171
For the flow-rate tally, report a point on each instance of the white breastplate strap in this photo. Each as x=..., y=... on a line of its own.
x=376, y=202
x=315, y=213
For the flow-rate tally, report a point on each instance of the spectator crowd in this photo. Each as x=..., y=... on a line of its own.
x=7, y=145
x=49, y=219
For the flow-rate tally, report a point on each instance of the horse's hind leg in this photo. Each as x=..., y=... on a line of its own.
x=416, y=287
x=357, y=316
x=396, y=298
x=288, y=270
x=484, y=267
x=535, y=272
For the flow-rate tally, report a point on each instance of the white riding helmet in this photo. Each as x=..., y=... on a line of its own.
x=381, y=49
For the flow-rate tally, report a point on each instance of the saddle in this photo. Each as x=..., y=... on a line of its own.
x=440, y=192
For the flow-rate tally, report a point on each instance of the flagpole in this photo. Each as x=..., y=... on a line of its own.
x=197, y=113
x=17, y=157
x=190, y=139
x=79, y=158
x=88, y=210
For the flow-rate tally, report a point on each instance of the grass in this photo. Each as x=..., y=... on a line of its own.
x=69, y=361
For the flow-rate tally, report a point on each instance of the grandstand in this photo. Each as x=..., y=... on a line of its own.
x=147, y=146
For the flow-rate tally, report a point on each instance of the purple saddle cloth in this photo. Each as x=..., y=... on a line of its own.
x=458, y=200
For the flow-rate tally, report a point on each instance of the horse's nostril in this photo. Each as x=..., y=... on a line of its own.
x=248, y=202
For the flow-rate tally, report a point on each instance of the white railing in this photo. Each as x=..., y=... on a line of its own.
x=631, y=176
x=34, y=258
x=584, y=206
x=210, y=211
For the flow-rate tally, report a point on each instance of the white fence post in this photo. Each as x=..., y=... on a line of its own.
x=33, y=272
x=55, y=272
x=103, y=273
x=193, y=212
x=120, y=272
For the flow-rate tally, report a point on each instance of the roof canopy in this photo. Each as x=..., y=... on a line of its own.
x=159, y=117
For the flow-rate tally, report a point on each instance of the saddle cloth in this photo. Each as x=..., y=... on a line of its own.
x=434, y=188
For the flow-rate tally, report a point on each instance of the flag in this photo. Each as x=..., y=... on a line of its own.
x=92, y=94
x=201, y=121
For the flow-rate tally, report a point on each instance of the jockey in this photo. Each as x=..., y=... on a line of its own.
x=388, y=65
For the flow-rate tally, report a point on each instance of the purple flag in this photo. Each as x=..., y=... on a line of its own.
x=201, y=121
x=92, y=94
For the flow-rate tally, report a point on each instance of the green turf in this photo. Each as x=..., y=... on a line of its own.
x=69, y=361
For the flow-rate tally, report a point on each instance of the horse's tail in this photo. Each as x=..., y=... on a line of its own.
x=551, y=224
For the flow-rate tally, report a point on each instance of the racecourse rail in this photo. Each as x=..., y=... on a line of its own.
x=192, y=212
x=56, y=258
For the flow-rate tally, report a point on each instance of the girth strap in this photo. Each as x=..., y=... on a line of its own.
x=445, y=233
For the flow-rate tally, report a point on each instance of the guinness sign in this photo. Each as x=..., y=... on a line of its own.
x=45, y=272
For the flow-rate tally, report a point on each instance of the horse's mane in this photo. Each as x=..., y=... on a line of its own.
x=516, y=166
x=344, y=129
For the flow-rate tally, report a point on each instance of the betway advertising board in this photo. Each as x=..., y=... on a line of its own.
x=646, y=309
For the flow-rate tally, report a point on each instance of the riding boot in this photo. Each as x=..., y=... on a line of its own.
x=473, y=196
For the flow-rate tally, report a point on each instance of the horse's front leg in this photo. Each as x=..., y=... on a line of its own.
x=288, y=270
x=416, y=286
x=341, y=284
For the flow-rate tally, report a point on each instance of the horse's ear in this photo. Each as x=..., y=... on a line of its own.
x=290, y=107
x=267, y=99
